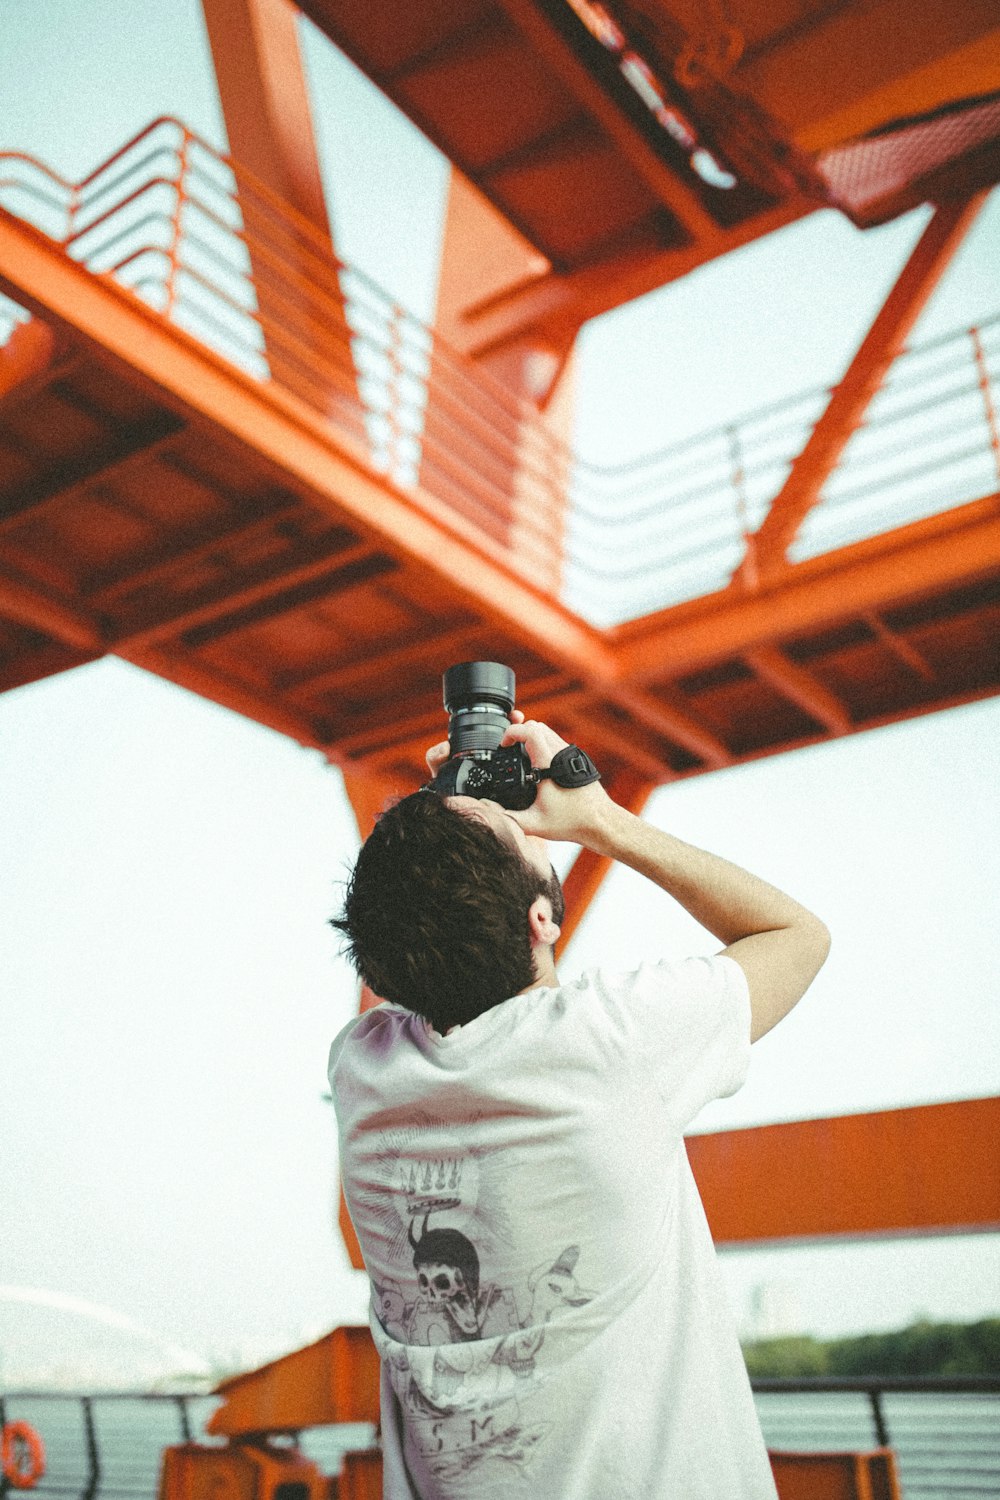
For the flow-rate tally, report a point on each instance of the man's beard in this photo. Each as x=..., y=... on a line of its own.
x=553, y=889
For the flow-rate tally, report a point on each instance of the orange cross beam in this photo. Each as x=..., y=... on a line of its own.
x=932, y=1169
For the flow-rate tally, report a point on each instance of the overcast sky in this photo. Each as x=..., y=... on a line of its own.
x=168, y=983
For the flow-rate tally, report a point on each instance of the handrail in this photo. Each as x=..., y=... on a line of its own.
x=200, y=239
x=939, y=1425
x=928, y=1385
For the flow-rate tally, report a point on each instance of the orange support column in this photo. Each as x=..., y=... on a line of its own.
x=262, y=88
x=512, y=458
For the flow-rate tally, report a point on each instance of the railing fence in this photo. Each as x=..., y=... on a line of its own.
x=945, y=1432
x=210, y=248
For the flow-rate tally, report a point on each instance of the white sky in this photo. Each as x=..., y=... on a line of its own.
x=167, y=982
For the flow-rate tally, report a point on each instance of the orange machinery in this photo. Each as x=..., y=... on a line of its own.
x=229, y=458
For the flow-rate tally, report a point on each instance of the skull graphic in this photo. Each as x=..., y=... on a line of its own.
x=447, y=1268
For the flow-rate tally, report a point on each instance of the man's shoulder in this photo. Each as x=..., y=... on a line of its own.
x=369, y=1025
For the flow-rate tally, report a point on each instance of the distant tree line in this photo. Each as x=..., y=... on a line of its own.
x=923, y=1348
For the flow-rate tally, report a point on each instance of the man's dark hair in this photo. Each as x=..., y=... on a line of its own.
x=436, y=912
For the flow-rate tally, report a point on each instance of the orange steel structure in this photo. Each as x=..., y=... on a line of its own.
x=228, y=457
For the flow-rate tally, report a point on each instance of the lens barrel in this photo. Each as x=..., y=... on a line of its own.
x=479, y=696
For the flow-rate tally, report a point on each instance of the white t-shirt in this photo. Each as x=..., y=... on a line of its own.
x=545, y=1294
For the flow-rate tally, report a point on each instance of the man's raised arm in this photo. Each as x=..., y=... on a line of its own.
x=779, y=945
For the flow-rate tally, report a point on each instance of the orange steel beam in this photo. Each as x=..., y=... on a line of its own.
x=333, y=1380
x=933, y=1169
x=45, y=660
x=443, y=646
x=215, y=685
x=200, y=544
x=29, y=604
x=560, y=57
x=368, y=794
x=883, y=342
x=799, y=686
x=837, y=1475
x=229, y=609
x=554, y=299
x=344, y=1224
x=901, y=649
x=132, y=445
x=265, y=102
x=481, y=256
x=26, y=355
x=274, y=423
x=939, y=54
x=959, y=545
x=675, y=724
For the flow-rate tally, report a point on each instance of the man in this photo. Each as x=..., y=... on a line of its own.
x=545, y=1296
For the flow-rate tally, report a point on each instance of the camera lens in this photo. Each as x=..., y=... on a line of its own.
x=479, y=696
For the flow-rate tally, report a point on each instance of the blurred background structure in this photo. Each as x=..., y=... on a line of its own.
x=232, y=458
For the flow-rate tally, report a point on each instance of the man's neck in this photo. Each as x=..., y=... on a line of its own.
x=545, y=970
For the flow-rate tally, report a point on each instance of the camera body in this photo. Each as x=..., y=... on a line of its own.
x=479, y=697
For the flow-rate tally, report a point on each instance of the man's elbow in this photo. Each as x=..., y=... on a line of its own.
x=823, y=941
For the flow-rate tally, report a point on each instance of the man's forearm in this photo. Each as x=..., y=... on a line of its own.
x=779, y=945
x=727, y=900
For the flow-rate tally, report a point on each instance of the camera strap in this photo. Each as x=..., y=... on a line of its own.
x=571, y=767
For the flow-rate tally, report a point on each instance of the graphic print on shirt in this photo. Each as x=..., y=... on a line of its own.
x=462, y=1352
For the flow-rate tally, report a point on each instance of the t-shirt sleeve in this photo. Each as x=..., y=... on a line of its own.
x=337, y=1047
x=690, y=1024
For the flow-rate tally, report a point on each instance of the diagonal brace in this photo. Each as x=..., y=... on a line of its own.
x=865, y=374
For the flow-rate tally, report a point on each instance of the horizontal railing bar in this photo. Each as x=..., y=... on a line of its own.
x=133, y=197
x=39, y=194
x=125, y=234
x=671, y=503
x=918, y=409
x=719, y=430
x=912, y=351
x=85, y=201
x=987, y=1385
x=116, y=156
x=38, y=166
x=929, y=377
x=839, y=498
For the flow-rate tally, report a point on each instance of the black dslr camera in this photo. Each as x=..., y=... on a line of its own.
x=479, y=696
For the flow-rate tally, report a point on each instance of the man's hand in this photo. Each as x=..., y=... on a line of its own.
x=571, y=814
x=557, y=812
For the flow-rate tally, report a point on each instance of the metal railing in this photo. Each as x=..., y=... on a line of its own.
x=211, y=249
x=944, y=1432
x=107, y=1446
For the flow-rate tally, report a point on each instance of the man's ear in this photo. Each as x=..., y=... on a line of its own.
x=544, y=932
